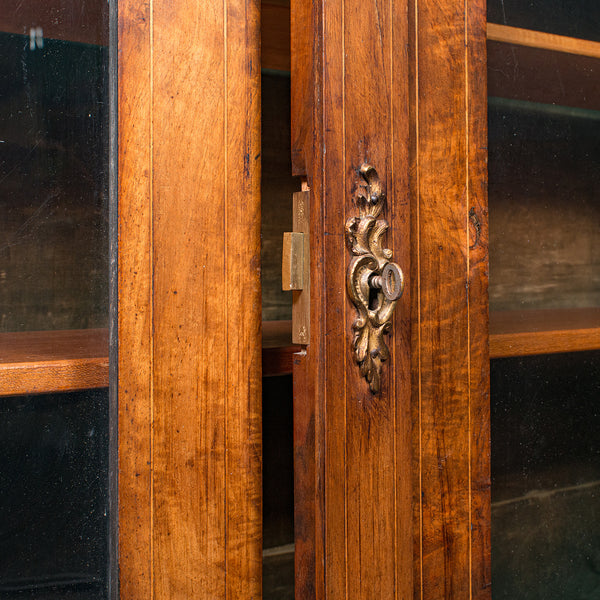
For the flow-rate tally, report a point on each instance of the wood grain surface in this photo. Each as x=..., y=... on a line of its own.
x=275, y=36
x=449, y=279
x=353, y=469
x=277, y=348
x=189, y=318
x=35, y=362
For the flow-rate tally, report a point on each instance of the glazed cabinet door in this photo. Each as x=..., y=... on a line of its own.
x=129, y=180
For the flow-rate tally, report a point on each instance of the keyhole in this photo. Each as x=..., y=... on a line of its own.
x=373, y=298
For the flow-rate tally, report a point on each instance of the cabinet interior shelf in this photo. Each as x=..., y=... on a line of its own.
x=278, y=350
x=512, y=333
x=542, y=40
x=61, y=361
x=529, y=332
x=34, y=362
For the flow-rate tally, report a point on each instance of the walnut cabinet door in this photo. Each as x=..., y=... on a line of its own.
x=391, y=432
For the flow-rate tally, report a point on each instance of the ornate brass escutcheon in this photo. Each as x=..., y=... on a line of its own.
x=374, y=283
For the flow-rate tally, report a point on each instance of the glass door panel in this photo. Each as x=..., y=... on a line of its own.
x=54, y=308
x=544, y=203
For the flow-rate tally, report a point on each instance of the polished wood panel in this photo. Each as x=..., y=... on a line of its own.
x=449, y=279
x=189, y=394
x=303, y=64
x=539, y=39
x=478, y=309
x=528, y=332
x=35, y=362
x=353, y=473
x=135, y=315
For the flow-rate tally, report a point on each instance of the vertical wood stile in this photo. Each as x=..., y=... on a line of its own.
x=400, y=85
x=355, y=486
x=189, y=299
x=135, y=302
x=451, y=373
x=480, y=424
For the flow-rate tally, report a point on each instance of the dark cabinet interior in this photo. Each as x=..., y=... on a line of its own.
x=277, y=187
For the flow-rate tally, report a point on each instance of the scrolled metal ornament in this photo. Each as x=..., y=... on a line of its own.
x=374, y=283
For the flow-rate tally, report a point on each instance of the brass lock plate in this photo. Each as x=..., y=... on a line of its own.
x=295, y=268
x=292, y=263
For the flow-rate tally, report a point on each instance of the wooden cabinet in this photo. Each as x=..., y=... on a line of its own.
x=391, y=489
x=543, y=305
x=389, y=493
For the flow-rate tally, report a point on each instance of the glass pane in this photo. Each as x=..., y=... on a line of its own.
x=546, y=477
x=573, y=18
x=544, y=191
x=54, y=506
x=54, y=309
x=53, y=174
x=544, y=185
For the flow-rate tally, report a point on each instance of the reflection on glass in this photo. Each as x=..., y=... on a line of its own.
x=573, y=18
x=53, y=183
x=544, y=186
x=546, y=477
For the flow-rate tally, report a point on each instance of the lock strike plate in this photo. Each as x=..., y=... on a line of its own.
x=295, y=268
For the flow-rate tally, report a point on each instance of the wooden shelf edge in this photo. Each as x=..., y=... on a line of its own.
x=541, y=40
x=516, y=333
x=530, y=332
x=36, y=362
x=278, y=361
x=64, y=361
x=544, y=342
x=278, y=350
x=53, y=376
